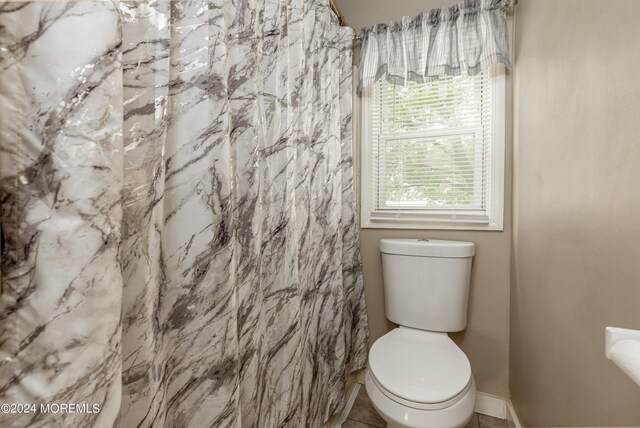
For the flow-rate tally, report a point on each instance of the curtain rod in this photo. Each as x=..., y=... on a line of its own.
x=339, y=15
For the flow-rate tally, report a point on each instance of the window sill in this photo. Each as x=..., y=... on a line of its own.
x=413, y=225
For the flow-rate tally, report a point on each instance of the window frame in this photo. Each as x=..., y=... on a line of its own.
x=440, y=219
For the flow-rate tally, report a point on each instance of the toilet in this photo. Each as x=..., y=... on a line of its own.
x=417, y=376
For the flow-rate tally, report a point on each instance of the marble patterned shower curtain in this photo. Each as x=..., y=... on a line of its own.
x=179, y=243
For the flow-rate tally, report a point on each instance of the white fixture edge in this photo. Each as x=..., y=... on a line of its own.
x=351, y=398
x=512, y=415
x=622, y=346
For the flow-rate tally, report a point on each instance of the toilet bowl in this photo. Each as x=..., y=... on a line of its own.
x=420, y=379
x=417, y=377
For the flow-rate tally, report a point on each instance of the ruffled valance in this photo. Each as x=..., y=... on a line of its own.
x=467, y=37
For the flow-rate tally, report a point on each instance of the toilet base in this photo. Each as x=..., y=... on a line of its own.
x=399, y=416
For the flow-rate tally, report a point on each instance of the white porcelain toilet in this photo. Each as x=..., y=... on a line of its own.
x=417, y=376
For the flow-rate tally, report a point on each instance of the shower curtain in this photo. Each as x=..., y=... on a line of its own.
x=179, y=243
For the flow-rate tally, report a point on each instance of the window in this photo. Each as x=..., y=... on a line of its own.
x=433, y=153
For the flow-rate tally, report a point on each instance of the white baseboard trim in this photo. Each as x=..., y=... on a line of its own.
x=497, y=407
x=351, y=398
x=512, y=415
x=491, y=405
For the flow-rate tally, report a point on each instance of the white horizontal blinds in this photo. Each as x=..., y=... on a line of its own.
x=430, y=145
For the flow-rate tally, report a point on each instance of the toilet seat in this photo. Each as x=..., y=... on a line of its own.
x=420, y=369
x=418, y=405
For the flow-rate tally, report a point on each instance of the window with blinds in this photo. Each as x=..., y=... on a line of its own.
x=434, y=152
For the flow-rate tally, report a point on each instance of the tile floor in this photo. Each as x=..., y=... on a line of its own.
x=363, y=415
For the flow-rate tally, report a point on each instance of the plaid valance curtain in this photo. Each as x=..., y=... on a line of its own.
x=465, y=38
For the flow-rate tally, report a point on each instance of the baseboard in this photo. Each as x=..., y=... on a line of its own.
x=512, y=415
x=491, y=405
x=497, y=407
x=351, y=398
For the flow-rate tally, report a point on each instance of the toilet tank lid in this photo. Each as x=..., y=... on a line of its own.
x=427, y=248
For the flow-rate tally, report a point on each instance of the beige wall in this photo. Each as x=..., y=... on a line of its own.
x=485, y=341
x=576, y=251
x=363, y=13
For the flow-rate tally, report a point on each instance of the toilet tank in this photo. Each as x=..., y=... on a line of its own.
x=426, y=282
